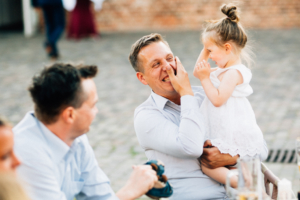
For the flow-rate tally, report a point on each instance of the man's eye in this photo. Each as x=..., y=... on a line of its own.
x=170, y=59
x=156, y=64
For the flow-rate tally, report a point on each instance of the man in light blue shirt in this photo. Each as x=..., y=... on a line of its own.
x=169, y=125
x=57, y=161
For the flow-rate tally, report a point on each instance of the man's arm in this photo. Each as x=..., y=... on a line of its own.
x=96, y=184
x=156, y=132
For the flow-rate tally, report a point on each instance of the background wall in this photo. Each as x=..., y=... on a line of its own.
x=141, y=15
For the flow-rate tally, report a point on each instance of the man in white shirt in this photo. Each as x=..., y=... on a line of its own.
x=169, y=125
x=57, y=161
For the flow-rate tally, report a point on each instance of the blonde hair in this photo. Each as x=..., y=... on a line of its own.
x=10, y=189
x=228, y=29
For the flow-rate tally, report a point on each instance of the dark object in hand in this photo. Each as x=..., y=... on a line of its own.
x=162, y=187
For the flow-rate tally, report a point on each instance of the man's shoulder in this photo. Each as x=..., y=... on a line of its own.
x=84, y=143
x=28, y=139
x=149, y=103
x=27, y=131
x=197, y=89
x=199, y=93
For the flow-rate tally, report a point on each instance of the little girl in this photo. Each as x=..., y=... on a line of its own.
x=229, y=118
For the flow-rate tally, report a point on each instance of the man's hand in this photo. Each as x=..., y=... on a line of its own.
x=142, y=179
x=207, y=144
x=180, y=81
x=212, y=158
x=202, y=70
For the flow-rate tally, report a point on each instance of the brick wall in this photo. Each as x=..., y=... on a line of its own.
x=152, y=15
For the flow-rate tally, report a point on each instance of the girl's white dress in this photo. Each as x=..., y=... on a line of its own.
x=232, y=127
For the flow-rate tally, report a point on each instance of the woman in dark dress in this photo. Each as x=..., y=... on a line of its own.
x=81, y=22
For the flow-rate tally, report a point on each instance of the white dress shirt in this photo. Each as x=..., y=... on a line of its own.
x=53, y=170
x=174, y=134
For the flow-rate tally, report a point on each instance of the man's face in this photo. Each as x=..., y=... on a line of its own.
x=154, y=60
x=8, y=160
x=88, y=110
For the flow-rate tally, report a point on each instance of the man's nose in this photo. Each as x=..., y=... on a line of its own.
x=16, y=161
x=165, y=64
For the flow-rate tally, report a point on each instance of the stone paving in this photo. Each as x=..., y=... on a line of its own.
x=276, y=84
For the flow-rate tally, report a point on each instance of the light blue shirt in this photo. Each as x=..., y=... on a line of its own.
x=174, y=134
x=52, y=170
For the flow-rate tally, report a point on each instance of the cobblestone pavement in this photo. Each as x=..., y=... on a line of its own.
x=276, y=84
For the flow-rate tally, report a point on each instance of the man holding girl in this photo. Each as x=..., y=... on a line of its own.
x=174, y=124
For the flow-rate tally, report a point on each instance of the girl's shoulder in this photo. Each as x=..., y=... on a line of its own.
x=244, y=71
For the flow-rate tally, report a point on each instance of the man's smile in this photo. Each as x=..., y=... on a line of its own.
x=166, y=79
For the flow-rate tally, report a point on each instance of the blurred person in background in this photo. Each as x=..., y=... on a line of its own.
x=57, y=159
x=82, y=23
x=10, y=188
x=54, y=17
x=8, y=160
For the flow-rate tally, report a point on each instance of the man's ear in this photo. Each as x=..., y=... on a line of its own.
x=141, y=78
x=68, y=115
x=228, y=48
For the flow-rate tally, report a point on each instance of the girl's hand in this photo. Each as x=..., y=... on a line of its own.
x=204, y=54
x=202, y=70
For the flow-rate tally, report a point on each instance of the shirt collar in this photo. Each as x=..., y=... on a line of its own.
x=58, y=148
x=159, y=100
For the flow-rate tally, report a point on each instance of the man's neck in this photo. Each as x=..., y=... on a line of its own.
x=175, y=100
x=61, y=131
x=174, y=97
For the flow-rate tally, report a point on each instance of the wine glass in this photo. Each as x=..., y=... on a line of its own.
x=249, y=180
x=298, y=152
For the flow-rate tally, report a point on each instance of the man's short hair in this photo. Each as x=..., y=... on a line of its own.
x=58, y=87
x=4, y=122
x=138, y=45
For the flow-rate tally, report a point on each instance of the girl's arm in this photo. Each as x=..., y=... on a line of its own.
x=220, y=174
x=218, y=96
x=204, y=54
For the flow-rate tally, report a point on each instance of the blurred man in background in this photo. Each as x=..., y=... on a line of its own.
x=54, y=17
x=10, y=189
x=57, y=159
x=8, y=160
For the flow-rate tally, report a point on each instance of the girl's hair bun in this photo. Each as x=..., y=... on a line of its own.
x=231, y=12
